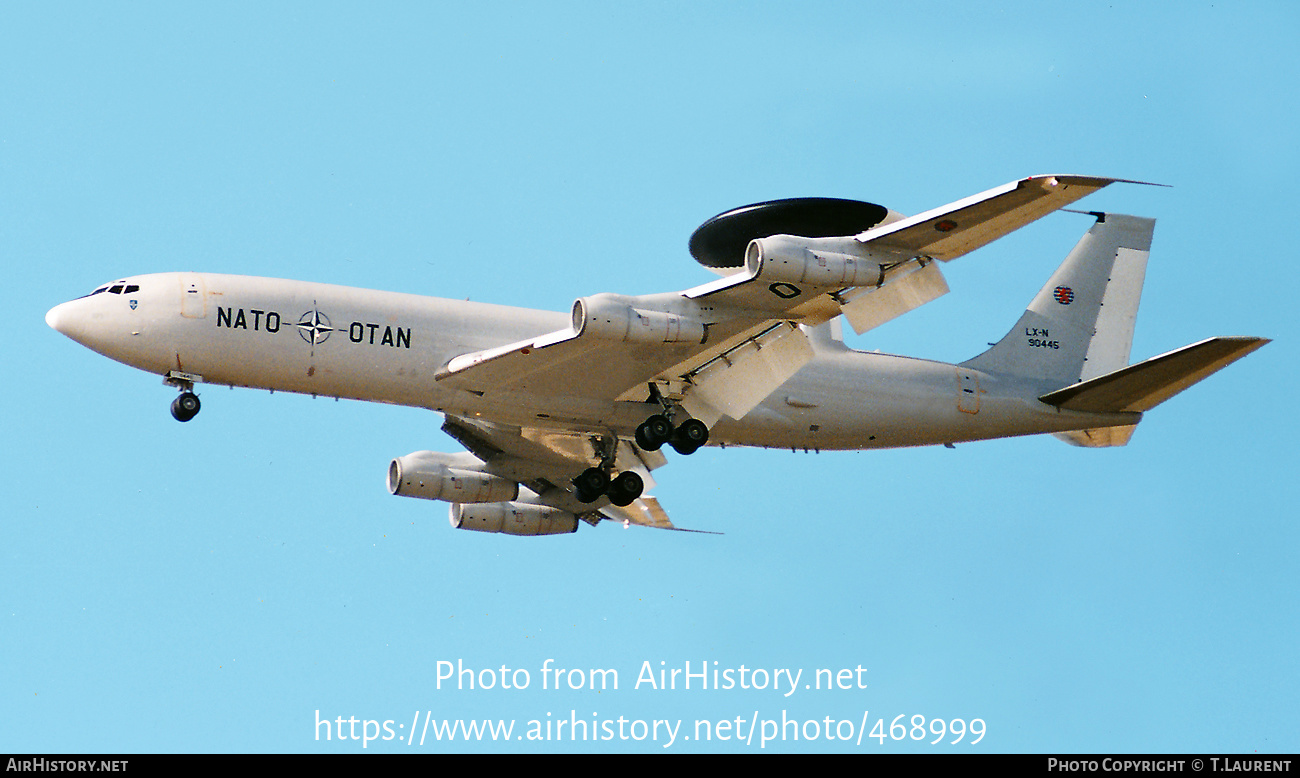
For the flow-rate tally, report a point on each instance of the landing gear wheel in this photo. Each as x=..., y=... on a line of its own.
x=185, y=407
x=689, y=436
x=644, y=441
x=586, y=497
x=654, y=432
x=683, y=448
x=692, y=431
x=626, y=488
x=591, y=484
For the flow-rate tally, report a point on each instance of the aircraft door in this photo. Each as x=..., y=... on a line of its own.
x=194, y=298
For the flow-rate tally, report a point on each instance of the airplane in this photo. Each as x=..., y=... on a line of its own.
x=564, y=416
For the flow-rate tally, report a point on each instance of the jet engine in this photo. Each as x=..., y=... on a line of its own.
x=430, y=475
x=817, y=262
x=513, y=518
x=605, y=317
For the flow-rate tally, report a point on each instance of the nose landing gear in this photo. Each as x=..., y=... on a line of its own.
x=186, y=406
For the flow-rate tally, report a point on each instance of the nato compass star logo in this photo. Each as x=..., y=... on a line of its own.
x=314, y=326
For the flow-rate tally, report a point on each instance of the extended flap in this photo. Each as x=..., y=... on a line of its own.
x=871, y=307
x=743, y=377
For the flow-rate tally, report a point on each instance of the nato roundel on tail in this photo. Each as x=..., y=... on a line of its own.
x=720, y=242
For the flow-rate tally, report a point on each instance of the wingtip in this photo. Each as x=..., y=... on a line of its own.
x=1253, y=343
x=1098, y=181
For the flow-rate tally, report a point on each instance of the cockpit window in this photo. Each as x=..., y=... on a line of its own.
x=121, y=287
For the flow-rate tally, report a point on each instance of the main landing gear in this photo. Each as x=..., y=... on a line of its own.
x=622, y=489
x=658, y=430
x=595, y=482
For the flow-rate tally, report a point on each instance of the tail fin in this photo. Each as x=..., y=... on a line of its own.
x=1080, y=325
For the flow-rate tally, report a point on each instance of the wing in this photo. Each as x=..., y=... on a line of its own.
x=958, y=228
x=721, y=348
x=546, y=462
x=901, y=250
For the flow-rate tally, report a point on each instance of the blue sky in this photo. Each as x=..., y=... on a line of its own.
x=211, y=586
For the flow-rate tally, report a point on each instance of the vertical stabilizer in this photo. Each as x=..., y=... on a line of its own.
x=1080, y=325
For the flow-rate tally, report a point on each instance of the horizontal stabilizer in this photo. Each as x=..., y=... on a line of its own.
x=1098, y=437
x=1143, y=386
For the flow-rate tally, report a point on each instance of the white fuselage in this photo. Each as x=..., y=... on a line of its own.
x=336, y=341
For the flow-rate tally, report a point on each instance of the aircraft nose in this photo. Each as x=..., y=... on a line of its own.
x=70, y=319
x=59, y=318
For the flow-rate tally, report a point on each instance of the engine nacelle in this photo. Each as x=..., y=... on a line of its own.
x=513, y=518
x=794, y=260
x=430, y=475
x=603, y=317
